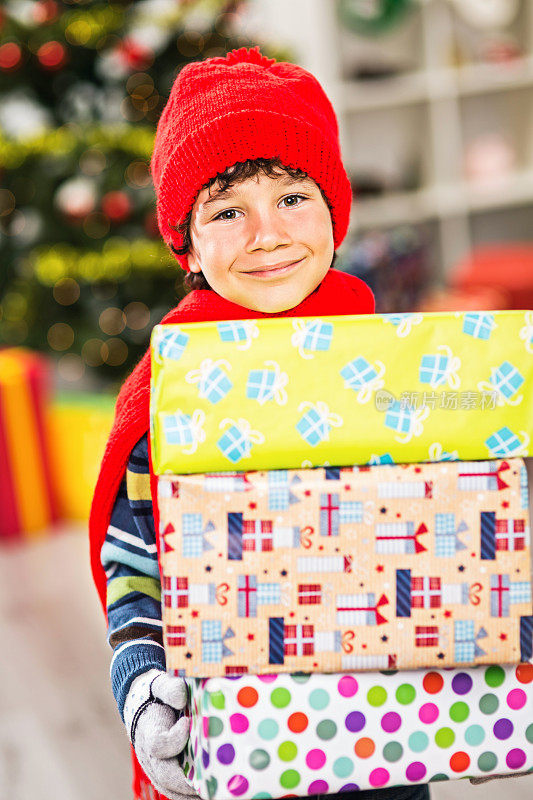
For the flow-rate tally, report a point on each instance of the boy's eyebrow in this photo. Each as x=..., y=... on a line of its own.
x=223, y=194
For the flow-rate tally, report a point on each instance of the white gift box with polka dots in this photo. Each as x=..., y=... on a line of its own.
x=298, y=734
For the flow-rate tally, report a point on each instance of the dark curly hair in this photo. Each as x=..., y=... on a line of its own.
x=271, y=167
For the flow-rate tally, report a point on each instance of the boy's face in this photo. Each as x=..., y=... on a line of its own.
x=265, y=244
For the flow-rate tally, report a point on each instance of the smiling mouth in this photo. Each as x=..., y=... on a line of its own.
x=274, y=271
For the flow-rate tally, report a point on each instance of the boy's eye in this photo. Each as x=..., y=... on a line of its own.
x=292, y=199
x=226, y=211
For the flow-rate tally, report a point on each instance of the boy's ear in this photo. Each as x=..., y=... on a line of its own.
x=192, y=260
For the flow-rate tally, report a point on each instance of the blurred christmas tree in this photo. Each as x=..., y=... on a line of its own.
x=84, y=272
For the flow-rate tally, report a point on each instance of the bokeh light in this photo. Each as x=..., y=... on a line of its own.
x=92, y=352
x=190, y=44
x=66, y=291
x=114, y=352
x=14, y=306
x=137, y=174
x=137, y=315
x=7, y=202
x=52, y=55
x=112, y=321
x=71, y=367
x=10, y=56
x=17, y=222
x=96, y=225
x=60, y=336
x=79, y=32
x=92, y=161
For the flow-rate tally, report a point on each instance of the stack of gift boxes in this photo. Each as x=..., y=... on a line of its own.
x=344, y=545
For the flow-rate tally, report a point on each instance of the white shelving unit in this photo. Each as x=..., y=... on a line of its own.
x=423, y=118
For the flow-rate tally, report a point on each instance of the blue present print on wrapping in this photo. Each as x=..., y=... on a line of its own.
x=351, y=511
x=215, y=386
x=399, y=417
x=278, y=490
x=211, y=641
x=236, y=441
x=184, y=430
x=232, y=331
x=214, y=648
x=358, y=373
x=441, y=367
x=261, y=383
x=312, y=336
x=437, y=453
x=178, y=429
x=267, y=384
x=268, y=594
x=464, y=641
x=466, y=648
x=433, y=369
x=520, y=592
x=171, y=344
x=313, y=428
x=447, y=542
x=192, y=535
x=506, y=379
x=403, y=322
x=234, y=444
x=318, y=335
x=316, y=423
x=479, y=325
x=213, y=383
x=386, y=458
x=405, y=420
x=504, y=442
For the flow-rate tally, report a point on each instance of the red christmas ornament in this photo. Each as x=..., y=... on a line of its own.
x=134, y=55
x=52, y=55
x=44, y=12
x=116, y=206
x=10, y=56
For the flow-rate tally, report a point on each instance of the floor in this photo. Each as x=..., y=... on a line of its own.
x=60, y=735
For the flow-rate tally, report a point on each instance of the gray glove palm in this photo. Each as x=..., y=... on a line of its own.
x=156, y=733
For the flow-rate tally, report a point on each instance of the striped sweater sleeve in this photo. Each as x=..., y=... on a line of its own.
x=129, y=558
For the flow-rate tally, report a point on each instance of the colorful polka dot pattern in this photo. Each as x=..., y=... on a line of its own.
x=270, y=736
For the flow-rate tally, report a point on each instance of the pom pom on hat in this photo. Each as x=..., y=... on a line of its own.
x=245, y=56
x=225, y=110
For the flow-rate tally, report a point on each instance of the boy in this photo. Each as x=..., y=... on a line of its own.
x=253, y=199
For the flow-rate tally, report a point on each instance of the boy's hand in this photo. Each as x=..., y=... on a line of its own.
x=156, y=733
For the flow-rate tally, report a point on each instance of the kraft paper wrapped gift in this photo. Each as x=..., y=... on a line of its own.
x=300, y=734
x=336, y=569
x=286, y=393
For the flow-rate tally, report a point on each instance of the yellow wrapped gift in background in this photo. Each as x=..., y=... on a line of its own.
x=365, y=389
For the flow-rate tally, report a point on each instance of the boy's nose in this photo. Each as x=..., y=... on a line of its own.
x=267, y=231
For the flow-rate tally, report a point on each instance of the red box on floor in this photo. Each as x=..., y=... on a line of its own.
x=27, y=496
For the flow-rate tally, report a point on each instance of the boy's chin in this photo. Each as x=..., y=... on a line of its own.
x=273, y=306
x=276, y=302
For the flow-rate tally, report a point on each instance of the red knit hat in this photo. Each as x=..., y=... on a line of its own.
x=244, y=106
